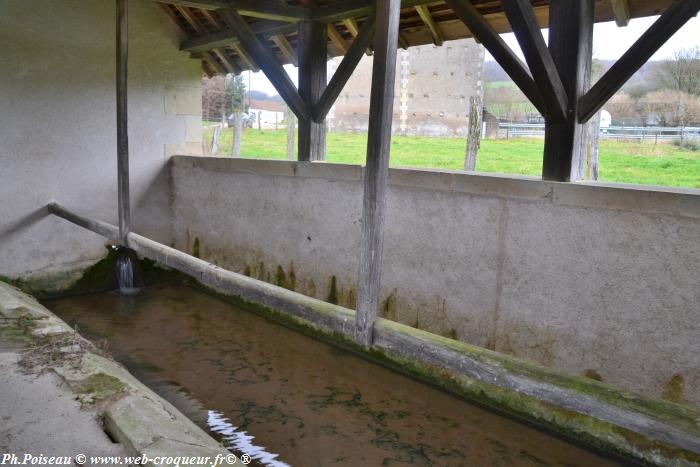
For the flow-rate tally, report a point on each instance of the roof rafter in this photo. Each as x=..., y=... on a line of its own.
x=264, y=9
x=430, y=23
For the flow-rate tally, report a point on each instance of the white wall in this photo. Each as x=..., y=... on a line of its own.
x=579, y=277
x=58, y=127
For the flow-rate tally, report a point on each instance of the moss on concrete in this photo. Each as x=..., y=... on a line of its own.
x=196, y=248
x=333, y=291
x=592, y=374
x=673, y=414
x=98, y=278
x=98, y=387
x=673, y=389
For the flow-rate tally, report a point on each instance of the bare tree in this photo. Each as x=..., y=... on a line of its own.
x=671, y=108
x=623, y=108
x=682, y=72
x=214, y=98
x=214, y=106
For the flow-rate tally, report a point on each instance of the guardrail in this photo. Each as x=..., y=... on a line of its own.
x=655, y=134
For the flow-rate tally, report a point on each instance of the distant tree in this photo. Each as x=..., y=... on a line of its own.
x=214, y=98
x=236, y=96
x=623, y=108
x=682, y=72
x=671, y=108
x=508, y=103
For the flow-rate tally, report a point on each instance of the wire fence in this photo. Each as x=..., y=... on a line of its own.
x=623, y=133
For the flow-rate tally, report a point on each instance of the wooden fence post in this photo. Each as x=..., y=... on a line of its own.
x=476, y=110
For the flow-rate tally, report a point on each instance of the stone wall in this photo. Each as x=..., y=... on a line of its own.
x=589, y=278
x=432, y=91
x=58, y=127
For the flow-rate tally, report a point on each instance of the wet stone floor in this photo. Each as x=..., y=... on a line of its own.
x=287, y=399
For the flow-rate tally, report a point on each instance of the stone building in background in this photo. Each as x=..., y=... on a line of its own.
x=433, y=87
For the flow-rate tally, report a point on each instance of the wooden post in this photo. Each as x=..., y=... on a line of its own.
x=571, y=47
x=237, y=134
x=291, y=132
x=313, y=78
x=377, y=168
x=476, y=110
x=590, y=150
x=122, y=119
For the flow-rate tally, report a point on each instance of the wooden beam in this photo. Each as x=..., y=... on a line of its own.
x=286, y=49
x=337, y=39
x=351, y=26
x=199, y=29
x=527, y=30
x=571, y=45
x=263, y=9
x=201, y=4
x=621, y=10
x=313, y=78
x=229, y=63
x=345, y=70
x=267, y=62
x=377, y=168
x=245, y=58
x=343, y=9
x=430, y=23
x=228, y=37
x=123, y=200
x=503, y=54
x=679, y=13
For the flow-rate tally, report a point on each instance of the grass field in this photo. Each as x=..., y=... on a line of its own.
x=623, y=162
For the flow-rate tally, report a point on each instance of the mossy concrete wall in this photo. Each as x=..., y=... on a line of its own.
x=596, y=280
x=58, y=128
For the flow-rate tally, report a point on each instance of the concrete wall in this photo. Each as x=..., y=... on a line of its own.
x=58, y=127
x=592, y=279
x=432, y=91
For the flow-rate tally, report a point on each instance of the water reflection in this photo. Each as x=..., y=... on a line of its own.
x=240, y=441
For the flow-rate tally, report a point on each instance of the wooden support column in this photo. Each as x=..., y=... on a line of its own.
x=124, y=206
x=377, y=167
x=313, y=78
x=571, y=48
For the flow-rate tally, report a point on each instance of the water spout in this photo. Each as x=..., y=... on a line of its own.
x=125, y=271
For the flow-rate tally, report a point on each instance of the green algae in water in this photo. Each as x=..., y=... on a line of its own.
x=311, y=403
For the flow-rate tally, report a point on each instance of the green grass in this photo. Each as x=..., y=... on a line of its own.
x=622, y=162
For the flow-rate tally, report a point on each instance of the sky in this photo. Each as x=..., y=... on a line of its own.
x=609, y=43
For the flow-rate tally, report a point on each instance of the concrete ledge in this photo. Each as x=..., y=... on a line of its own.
x=135, y=416
x=637, y=198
